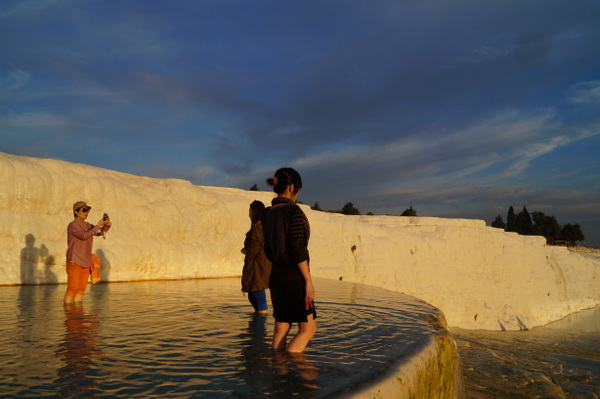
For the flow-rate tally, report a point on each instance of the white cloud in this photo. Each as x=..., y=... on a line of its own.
x=587, y=92
x=30, y=119
x=24, y=8
x=507, y=137
x=13, y=81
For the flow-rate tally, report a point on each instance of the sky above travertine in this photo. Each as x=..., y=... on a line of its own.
x=458, y=108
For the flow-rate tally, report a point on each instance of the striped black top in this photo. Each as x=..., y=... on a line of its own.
x=286, y=231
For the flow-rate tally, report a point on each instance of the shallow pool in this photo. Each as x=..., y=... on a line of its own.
x=560, y=360
x=196, y=338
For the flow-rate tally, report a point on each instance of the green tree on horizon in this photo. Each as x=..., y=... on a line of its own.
x=538, y=223
x=409, y=212
x=571, y=233
x=511, y=220
x=499, y=223
x=524, y=225
x=349, y=209
x=546, y=226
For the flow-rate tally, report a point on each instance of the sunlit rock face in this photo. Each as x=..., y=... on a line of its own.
x=480, y=277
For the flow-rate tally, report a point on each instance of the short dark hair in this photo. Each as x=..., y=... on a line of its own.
x=283, y=178
x=256, y=209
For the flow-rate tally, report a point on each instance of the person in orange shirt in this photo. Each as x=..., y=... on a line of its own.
x=80, y=238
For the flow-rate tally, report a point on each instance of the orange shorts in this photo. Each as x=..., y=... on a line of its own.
x=77, y=278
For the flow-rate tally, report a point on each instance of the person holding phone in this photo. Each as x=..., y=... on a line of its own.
x=80, y=238
x=286, y=232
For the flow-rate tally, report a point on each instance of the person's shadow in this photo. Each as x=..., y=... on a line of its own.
x=78, y=351
x=49, y=261
x=31, y=257
x=104, y=266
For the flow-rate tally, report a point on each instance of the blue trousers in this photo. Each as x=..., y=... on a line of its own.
x=258, y=299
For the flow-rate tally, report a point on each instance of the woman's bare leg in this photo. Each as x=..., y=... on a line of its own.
x=280, y=333
x=306, y=330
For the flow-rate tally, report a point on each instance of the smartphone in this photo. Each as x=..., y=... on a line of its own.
x=105, y=217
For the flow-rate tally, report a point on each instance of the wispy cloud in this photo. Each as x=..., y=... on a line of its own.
x=33, y=120
x=26, y=8
x=457, y=107
x=13, y=81
x=586, y=93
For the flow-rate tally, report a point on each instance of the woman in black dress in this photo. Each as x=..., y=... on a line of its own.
x=286, y=232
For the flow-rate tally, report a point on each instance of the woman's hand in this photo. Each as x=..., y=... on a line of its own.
x=310, y=292
x=310, y=289
x=104, y=222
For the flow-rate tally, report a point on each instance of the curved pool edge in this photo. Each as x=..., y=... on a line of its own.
x=432, y=371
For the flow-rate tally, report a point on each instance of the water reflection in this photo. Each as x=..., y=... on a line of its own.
x=78, y=351
x=255, y=351
x=286, y=363
x=170, y=344
x=273, y=373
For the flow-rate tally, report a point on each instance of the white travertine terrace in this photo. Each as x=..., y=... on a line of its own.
x=480, y=277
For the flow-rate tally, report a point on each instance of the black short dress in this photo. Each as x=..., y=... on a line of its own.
x=286, y=232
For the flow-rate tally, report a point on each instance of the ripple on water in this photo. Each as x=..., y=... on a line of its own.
x=196, y=338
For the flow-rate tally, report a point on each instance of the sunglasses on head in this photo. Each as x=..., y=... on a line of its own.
x=85, y=210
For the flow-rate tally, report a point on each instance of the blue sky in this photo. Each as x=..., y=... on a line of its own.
x=458, y=108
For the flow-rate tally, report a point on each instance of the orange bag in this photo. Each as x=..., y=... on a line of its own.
x=95, y=276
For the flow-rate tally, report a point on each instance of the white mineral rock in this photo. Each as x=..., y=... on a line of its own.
x=480, y=277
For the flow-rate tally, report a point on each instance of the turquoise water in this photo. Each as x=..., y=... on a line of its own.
x=195, y=338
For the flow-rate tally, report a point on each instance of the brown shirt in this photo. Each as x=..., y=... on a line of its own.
x=257, y=268
x=80, y=237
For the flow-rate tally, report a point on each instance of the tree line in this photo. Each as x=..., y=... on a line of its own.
x=350, y=209
x=540, y=224
x=347, y=209
x=535, y=224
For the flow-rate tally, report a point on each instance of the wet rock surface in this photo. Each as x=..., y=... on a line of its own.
x=542, y=363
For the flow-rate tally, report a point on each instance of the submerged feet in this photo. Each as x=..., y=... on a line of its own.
x=306, y=330
x=73, y=298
